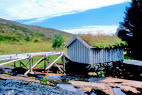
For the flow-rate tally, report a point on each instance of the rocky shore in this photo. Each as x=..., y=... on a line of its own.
x=106, y=86
x=16, y=87
x=99, y=86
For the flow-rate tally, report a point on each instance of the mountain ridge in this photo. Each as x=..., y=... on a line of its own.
x=15, y=31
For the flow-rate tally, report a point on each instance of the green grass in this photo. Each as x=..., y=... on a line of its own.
x=28, y=47
x=12, y=48
x=44, y=80
x=103, y=40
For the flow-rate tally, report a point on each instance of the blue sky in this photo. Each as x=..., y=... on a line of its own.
x=110, y=15
x=74, y=16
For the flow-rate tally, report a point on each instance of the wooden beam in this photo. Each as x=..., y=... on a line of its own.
x=20, y=63
x=14, y=64
x=12, y=61
x=51, y=64
x=59, y=68
x=30, y=69
x=64, y=64
x=23, y=64
x=30, y=65
x=45, y=64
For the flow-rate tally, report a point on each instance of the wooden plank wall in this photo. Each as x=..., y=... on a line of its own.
x=107, y=55
x=78, y=52
x=81, y=54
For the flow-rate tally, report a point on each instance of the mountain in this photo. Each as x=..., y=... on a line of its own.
x=13, y=31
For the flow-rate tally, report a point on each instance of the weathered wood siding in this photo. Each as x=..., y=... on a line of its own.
x=106, y=55
x=78, y=52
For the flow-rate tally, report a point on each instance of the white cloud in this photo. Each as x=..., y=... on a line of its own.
x=110, y=29
x=45, y=9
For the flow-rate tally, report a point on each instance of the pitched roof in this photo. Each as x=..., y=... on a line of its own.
x=102, y=41
x=81, y=40
x=98, y=41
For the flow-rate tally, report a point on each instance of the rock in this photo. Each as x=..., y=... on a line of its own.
x=130, y=83
x=97, y=86
x=129, y=89
x=87, y=89
x=125, y=85
x=135, y=84
x=14, y=87
x=92, y=74
x=9, y=77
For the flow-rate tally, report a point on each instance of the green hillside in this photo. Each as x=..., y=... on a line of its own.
x=12, y=31
x=20, y=38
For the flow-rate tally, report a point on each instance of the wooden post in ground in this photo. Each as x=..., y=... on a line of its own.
x=14, y=64
x=64, y=64
x=48, y=64
x=30, y=69
x=45, y=64
x=30, y=63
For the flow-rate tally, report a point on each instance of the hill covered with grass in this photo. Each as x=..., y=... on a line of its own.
x=12, y=31
x=20, y=38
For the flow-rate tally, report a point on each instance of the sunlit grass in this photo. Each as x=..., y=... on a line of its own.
x=29, y=47
x=12, y=48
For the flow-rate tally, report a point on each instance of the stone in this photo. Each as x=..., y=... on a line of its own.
x=97, y=86
x=92, y=74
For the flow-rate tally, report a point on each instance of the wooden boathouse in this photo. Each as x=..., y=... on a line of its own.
x=91, y=49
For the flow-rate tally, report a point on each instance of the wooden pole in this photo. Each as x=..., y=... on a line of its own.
x=20, y=64
x=59, y=68
x=23, y=64
x=11, y=61
x=64, y=64
x=45, y=65
x=14, y=64
x=30, y=65
x=30, y=69
x=51, y=64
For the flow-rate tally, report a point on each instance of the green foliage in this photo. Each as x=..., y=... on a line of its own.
x=19, y=38
x=18, y=33
x=27, y=38
x=58, y=41
x=8, y=38
x=130, y=30
x=128, y=57
x=44, y=81
x=103, y=41
x=101, y=73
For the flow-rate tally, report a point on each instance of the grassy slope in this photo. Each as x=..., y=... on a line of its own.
x=19, y=38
